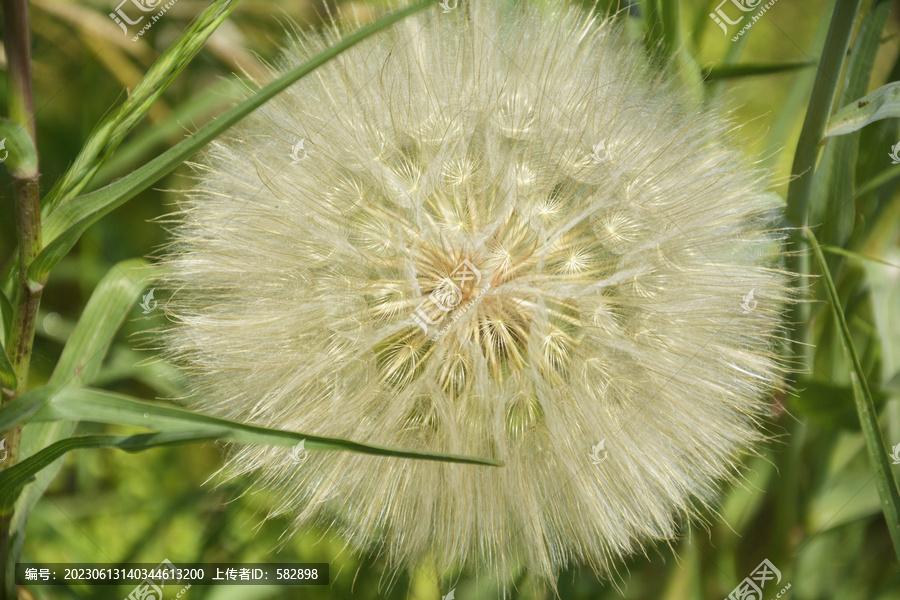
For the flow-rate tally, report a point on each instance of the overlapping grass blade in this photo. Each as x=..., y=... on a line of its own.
x=67, y=223
x=143, y=146
x=110, y=132
x=834, y=179
x=79, y=363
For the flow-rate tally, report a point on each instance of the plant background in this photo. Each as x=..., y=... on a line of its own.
x=809, y=503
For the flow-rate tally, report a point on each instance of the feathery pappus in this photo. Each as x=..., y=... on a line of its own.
x=497, y=231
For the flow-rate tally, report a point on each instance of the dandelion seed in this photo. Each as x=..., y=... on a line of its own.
x=607, y=307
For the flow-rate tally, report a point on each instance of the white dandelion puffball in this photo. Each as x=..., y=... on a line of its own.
x=495, y=231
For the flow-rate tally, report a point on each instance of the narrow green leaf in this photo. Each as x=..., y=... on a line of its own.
x=86, y=404
x=857, y=255
x=803, y=167
x=835, y=175
x=14, y=479
x=883, y=103
x=110, y=132
x=718, y=73
x=793, y=104
x=104, y=313
x=69, y=221
x=820, y=104
x=17, y=151
x=885, y=176
x=142, y=147
x=79, y=364
x=865, y=407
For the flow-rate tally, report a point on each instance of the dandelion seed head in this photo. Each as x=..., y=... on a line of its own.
x=457, y=265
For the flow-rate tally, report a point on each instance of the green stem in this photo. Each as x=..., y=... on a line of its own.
x=821, y=102
x=28, y=233
x=800, y=189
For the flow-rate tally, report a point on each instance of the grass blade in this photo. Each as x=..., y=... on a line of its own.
x=79, y=364
x=110, y=132
x=834, y=179
x=103, y=314
x=98, y=406
x=753, y=69
x=65, y=225
x=152, y=140
x=857, y=255
x=886, y=176
x=821, y=100
x=865, y=407
x=14, y=479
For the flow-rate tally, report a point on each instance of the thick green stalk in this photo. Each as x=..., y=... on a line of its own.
x=28, y=232
x=806, y=156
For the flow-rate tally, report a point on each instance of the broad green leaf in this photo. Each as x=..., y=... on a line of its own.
x=883, y=103
x=17, y=151
x=15, y=478
x=98, y=406
x=69, y=221
x=110, y=132
x=754, y=69
x=865, y=407
x=79, y=363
